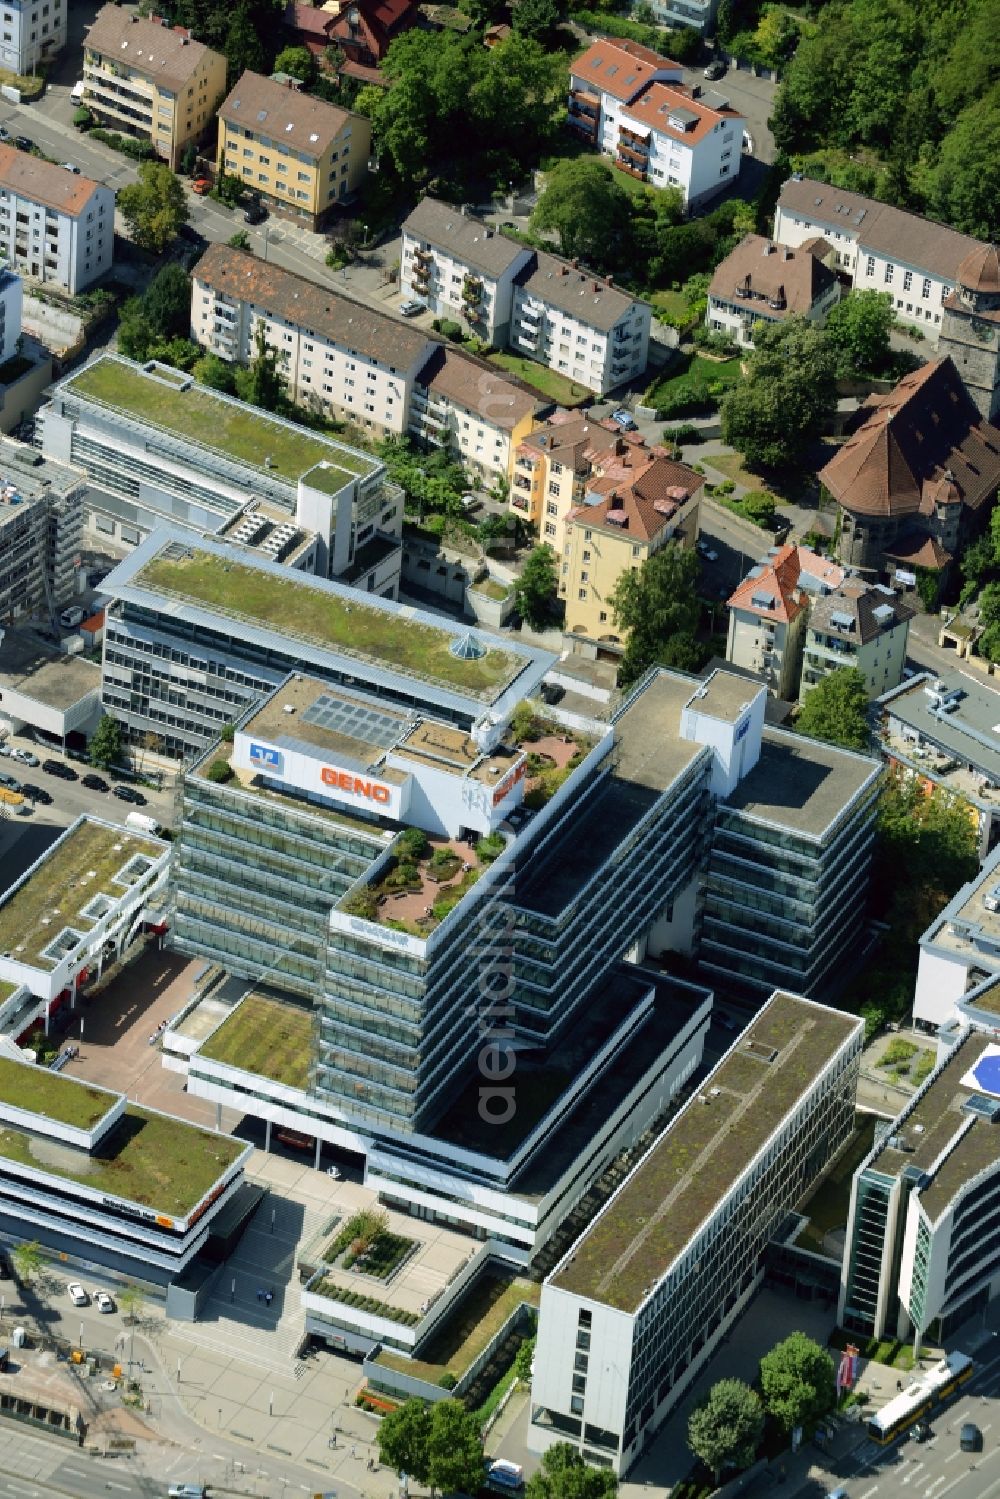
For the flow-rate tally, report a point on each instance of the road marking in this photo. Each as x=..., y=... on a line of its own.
x=936, y=1484
x=913, y=1472
x=110, y=1484
x=953, y=1455
x=869, y=1492
x=18, y=1487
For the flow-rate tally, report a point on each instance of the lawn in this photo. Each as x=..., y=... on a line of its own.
x=39, y=1091
x=298, y=609
x=674, y=303
x=78, y=868
x=468, y=1329
x=548, y=383
x=693, y=367
x=265, y=1037
x=200, y=415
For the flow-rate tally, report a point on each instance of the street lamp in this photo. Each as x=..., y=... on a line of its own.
x=364, y=242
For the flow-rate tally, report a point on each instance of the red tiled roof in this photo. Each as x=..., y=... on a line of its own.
x=309, y=20
x=660, y=103
x=619, y=68
x=761, y=275
x=93, y=623
x=919, y=551
x=643, y=508
x=780, y=582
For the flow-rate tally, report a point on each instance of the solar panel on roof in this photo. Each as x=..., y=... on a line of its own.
x=353, y=720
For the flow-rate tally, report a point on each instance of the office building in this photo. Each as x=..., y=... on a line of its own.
x=923, y=1243
x=55, y=226
x=168, y=449
x=632, y=105
x=640, y=1303
x=41, y=532
x=769, y=610
x=32, y=34
x=960, y=950
x=861, y=626
x=878, y=247
x=146, y=78
x=619, y=526
x=761, y=283
x=300, y=155
x=41, y=687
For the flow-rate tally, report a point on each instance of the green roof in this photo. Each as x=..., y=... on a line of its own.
x=78, y=868
x=265, y=1037
x=158, y=1162
x=39, y=1091
x=294, y=607
x=328, y=477
x=237, y=431
x=467, y=1329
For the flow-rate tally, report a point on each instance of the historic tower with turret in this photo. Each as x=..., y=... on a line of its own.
x=970, y=328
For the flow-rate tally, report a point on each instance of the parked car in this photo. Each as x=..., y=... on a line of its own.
x=25, y=757
x=625, y=420
x=57, y=768
x=187, y=1491
x=470, y=501
x=103, y=1301
x=412, y=308
x=24, y=143
x=94, y=783
x=4, y=133
x=37, y=794
x=69, y=166
x=971, y=1438
x=129, y=794
x=256, y=213
x=11, y=782
x=201, y=185
x=77, y=1294
x=715, y=70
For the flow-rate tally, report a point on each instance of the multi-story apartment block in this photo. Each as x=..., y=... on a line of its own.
x=473, y=409
x=878, y=247
x=553, y=464
x=769, y=610
x=41, y=533
x=698, y=14
x=32, y=32
x=618, y=527
x=151, y=80
x=763, y=283
x=203, y=456
x=642, y=1300
x=300, y=155
x=862, y=626
x=633, y=106
x=539, y=305
x=923, y=1233
x=55, y=226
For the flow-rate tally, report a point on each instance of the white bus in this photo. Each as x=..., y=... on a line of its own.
x=921, y=1398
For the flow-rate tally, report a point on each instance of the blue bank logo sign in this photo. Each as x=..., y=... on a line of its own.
x=263, y=757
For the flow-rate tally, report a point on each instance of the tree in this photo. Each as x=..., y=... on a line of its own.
x=836, y=710
x=964, y=186
x=779, y=409
x=858, y=328
x=298, y=62
x=131, y=1301
x=153, y=208
x=228, y=189
x=404, y=1440
x=587, y=209
x=932, y=837
x=216, y=374
x=537, y=18
x=28, y=1260
x=797, y=1382
x=261, y=383
x=166, y=303
x=454, y=1449
x=656, y=608
x=535, y=590
x=724, y=1430
x=243, y=48
x=563, y=1474
x=106, y=745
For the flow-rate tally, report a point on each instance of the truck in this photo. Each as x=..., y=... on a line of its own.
x=141, y=823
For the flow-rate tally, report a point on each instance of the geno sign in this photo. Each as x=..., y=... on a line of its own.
x=342, y=780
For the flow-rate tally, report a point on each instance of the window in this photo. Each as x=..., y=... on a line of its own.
x=907, y=280
x=582, y=595
x=576, y=1405
x=889, y=268
x=870, y=266
x=926, y=290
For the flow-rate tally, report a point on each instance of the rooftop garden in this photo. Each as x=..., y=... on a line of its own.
x=468, y=1329
x=424, y=881
x=161, y=1163
x=553, y=752
x=78, y=868
x=298, y=609
x=265, y=1037
x=365, y=1245
x=329, y=477
x=39, y=1091
x=237, y=431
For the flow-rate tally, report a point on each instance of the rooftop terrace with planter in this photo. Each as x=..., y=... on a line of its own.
x=423, y=882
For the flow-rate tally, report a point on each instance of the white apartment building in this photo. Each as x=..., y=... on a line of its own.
x=862, y=626
x=632, y=104
x=769, y=610
x=31, y=32
x=641, y=1301
x=55, y=226
x=472, y=408
x=461, y=268
x=878, y=247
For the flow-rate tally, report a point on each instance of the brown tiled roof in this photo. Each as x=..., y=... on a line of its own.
x=241, y=276
x=573, y=440
x=778, y=578
x=760, y=275
x=284, y=114
x=663, y=102
x=478, y=387
x=580, y=293
x=620, y=68
x=167, y=54
x=464, y=237
x=980, y=270
x=889, y=231
x=309, y=19
x=924, y=429
x=642, y=509
x=860, y=601
x=43, y=182
x=917, y=550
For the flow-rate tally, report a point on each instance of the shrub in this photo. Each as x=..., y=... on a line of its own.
x=450, y=329
x=363, y=902
x=412, y=845
x=898, y=1051
x=685, y=433
x=488, y=849
x=126, y=144
x=82, y=118
x=447, y=1380
x=220, y=770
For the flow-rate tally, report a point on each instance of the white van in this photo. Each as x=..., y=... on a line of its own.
x=70, y=618
x=141, y=822
x=76, y=93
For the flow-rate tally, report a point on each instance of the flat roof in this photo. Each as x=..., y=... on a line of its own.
x=802, y=784
x=81, y=865
x=195, y=413
x=969, y=733
x=50, y=677
x=265, y=1036
x=966, y=926
x=445, y=748
x=52, y=1095
x=306, y=696
x=724, y=695
x=685, y=1177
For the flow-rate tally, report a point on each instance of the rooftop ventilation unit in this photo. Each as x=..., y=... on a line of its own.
x=982, y=1107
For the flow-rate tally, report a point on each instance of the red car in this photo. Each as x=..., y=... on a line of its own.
x=201, y=185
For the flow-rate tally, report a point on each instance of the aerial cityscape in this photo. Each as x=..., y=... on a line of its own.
x=499, y=749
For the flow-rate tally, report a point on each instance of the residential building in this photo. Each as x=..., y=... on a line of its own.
x=923, y=1245
x=619, y=526
x=761, y=282
x=475, y=410
x=632, y=105
x=960, y=955
x=697, y=14
x=207, y=459
x=55, y=226
x=151, y=80
x=33, y=32
x=41, y=533
x=915, y=478
x=529, y=300
x=552, y=466
x=364, y=31
x=644, y=1298
x=769, y=610
x=300, y=155
x=878, y=247
x=969, y=328
x=861, y=626
x=941, y=731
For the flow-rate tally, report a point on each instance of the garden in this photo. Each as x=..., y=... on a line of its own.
x=424, y=881
x=696, y=383
x=366, y=1245
x=907, y=1063
x=553, y=753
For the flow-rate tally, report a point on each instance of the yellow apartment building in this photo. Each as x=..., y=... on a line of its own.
x=148, y=79
x=551, y=467
x=617, y=527
x=300, y=155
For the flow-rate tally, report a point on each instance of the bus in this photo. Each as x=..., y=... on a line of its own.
x=921, y=1398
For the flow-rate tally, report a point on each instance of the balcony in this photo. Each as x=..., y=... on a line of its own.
x=636, y=156
x=586, y=104
x=633, y=171
x=422, y=257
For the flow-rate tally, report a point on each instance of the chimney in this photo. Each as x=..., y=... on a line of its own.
x=575, y=262
x=597, y=286
x=610, y=280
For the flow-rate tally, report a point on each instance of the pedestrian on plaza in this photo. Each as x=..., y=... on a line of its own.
x=268, y=1297
x=260, y=1293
